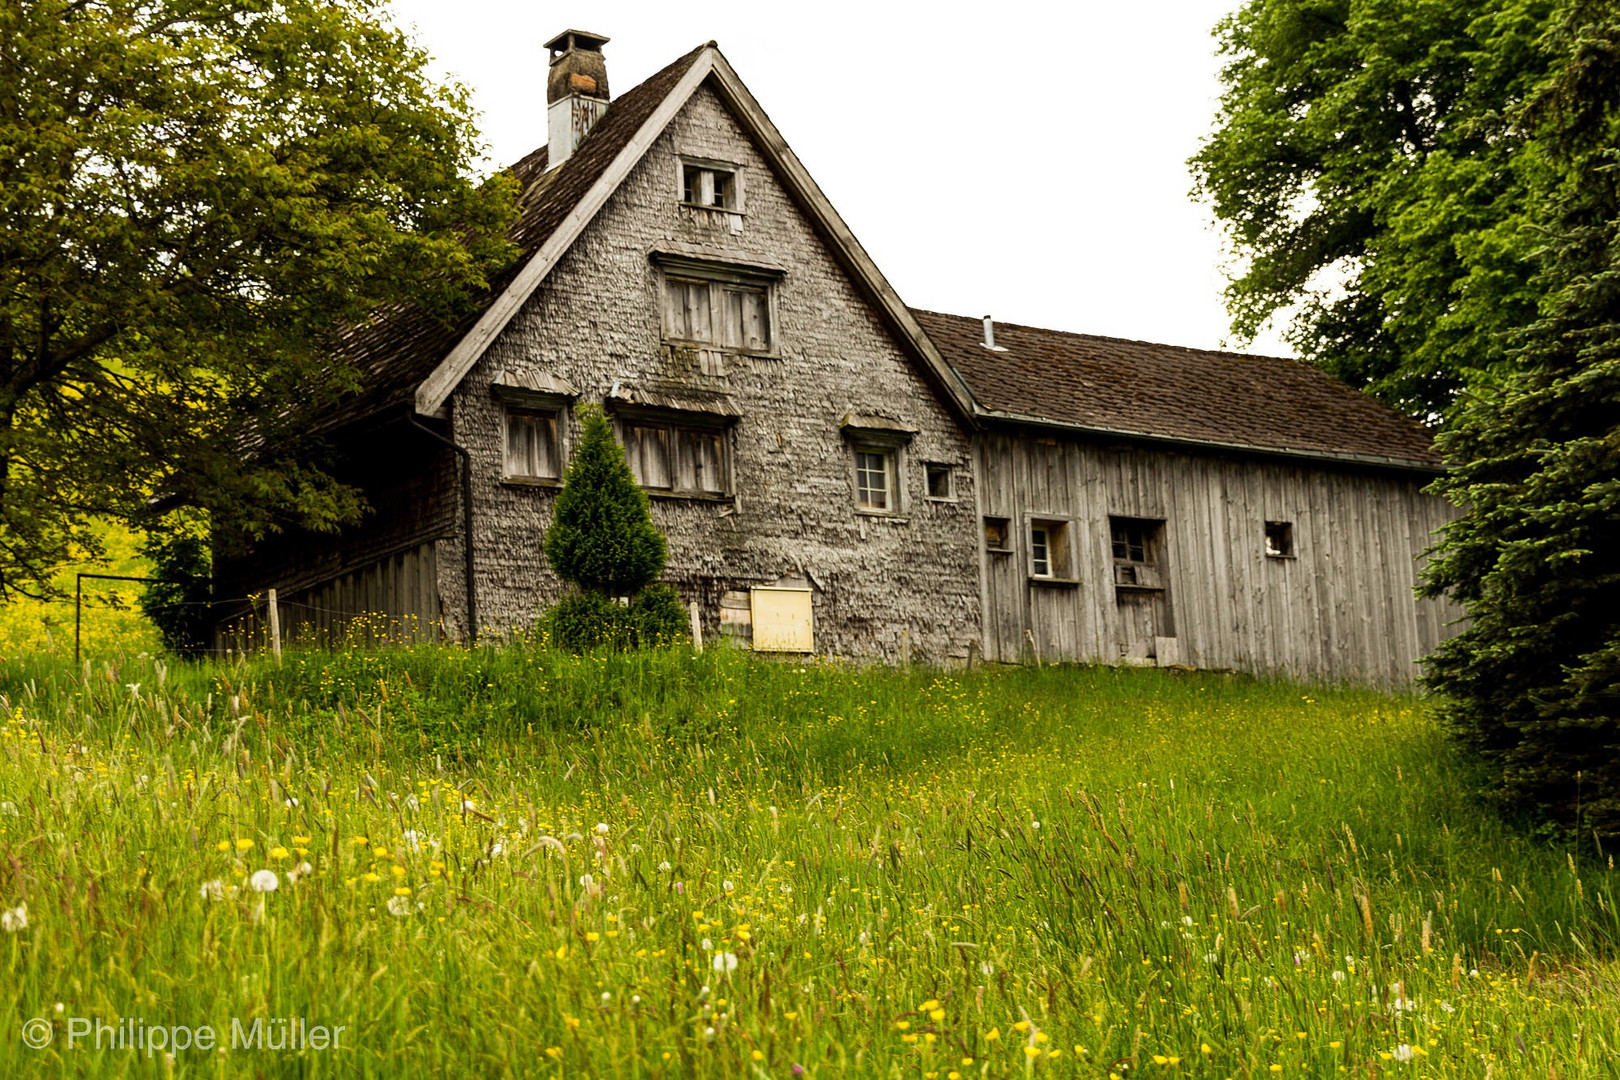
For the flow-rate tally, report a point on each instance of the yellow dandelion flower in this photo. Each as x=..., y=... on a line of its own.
x=791, y=1015
x=757, y=1055
x=1022, y=1025
x=368, y=876
x=936, y=1015
x=399, y=871
x=1031, y=1052
x=223, y=845
x=302, y=839
x=562, y=951
x=1335, y=1044
x=993, y=1035
x=555, y=1052
x=592, y=935
x=902, y=1024
x=402, y=890
x=360, y=841
x=244, y=844
x=380, y=852
x=279, y=853
x=928, y=1006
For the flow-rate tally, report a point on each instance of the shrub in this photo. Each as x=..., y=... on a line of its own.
x=602, y=536
x=587, y=621
x=179, y=607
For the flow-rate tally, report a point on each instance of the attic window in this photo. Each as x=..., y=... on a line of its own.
x=1279, y=540
x=939, y=481
x=712, y=185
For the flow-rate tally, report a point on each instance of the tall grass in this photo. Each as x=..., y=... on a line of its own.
x=526, y=863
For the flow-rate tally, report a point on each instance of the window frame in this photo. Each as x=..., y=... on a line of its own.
x=1286, y=550
x=891, y=477
x=879, y=435
x=511, y=411
x=719, y=278
x=710, y=167
x=1005, y=526
x=673, y=424
x=1062, y=565
x=930, y=469
x=1146, y=572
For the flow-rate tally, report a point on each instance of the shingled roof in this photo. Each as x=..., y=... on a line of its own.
x=401, y=346
x=1136, y=388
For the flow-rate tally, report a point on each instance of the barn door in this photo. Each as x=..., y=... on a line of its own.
x=1146, y=634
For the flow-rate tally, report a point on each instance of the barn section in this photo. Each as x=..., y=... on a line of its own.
x=1156, y=505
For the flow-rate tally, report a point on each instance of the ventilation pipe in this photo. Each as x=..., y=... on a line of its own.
x=990, y=335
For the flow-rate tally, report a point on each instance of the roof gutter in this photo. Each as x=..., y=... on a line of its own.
x=1324, y=457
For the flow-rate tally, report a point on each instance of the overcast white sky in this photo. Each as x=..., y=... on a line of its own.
x=1023, y=160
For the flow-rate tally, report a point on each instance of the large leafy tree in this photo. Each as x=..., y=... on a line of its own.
x=1534, y=681
x=195, y=195
x=1374, y=187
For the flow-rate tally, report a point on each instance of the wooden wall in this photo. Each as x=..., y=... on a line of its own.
x=1341, y=610
x=392, y=600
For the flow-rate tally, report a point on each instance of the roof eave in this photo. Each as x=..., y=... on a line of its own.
x=1180, y=442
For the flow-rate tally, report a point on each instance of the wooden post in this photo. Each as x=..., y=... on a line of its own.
x=697, y=628
x=905, y=646
x=275, y=626
x=1029, y=635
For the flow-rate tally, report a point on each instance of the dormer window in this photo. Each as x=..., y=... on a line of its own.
x=711, y=184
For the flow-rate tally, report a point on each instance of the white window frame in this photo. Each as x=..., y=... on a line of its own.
x=1058, y=565
x=890, y=467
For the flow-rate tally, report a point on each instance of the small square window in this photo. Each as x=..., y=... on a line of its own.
x=1280, y=539
x=939, y=482
x=875, y=487
x=532, y=452
x=997, y=534
x=706, y=185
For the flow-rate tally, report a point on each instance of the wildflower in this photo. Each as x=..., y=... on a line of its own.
x=1403, y=1052
x=1031, y=1052
x=279, y=853
x=728, y=886
x=725, y=961
x=928, y=1006
x=602, y=828
x=758, y=1056
x=554, y=1052
x=14, y=919
x=592, y=935
x=402, y=890
x=663, y=867
x=993, y=1035
x=936, y=1015
x=301, y=839
x=264, y=881
x=244, y=844
x=223, y=845
x=399, y=906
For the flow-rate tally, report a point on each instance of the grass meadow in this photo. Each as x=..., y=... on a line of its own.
x=513, y=862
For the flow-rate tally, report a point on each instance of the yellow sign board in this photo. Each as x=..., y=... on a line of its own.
x=782, y=620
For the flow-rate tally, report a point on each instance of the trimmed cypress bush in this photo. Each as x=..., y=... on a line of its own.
x=602, y=539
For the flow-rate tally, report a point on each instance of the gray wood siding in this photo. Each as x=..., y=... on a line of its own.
x=1341, y=609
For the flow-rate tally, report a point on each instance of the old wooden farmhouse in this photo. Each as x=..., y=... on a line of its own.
x=838, y=473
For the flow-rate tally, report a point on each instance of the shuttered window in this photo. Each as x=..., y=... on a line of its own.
x=532, y=452
x=717, y=313
x=677, y=459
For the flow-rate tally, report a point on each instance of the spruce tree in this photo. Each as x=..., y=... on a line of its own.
x=602, y=537
x=1534, y=682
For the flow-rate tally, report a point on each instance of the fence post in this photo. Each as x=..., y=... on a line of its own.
x=275, y=626
x=697, y=628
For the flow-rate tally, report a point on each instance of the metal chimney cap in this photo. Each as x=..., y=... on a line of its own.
x=577, y=39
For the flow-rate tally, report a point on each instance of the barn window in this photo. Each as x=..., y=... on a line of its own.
x=1280, y=539
x=1137, y=548
x=1049, y=555
x=997, y=534
x=677, y=459
x=875, y=487
x=532, y=450
x=713, y=185
x=939, y=481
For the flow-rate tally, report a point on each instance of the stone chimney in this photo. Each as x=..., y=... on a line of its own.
x=576, y=92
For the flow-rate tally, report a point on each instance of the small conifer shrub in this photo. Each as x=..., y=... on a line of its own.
x=602, y=539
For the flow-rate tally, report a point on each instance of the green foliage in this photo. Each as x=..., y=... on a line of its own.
x=587, y=621
x=602, y=536
x=198, y=194
x=179, y=607
x=1374, y=187
x=1534, y=682
x=1134, y=864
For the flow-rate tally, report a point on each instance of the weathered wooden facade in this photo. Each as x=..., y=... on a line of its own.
x=836, y=472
